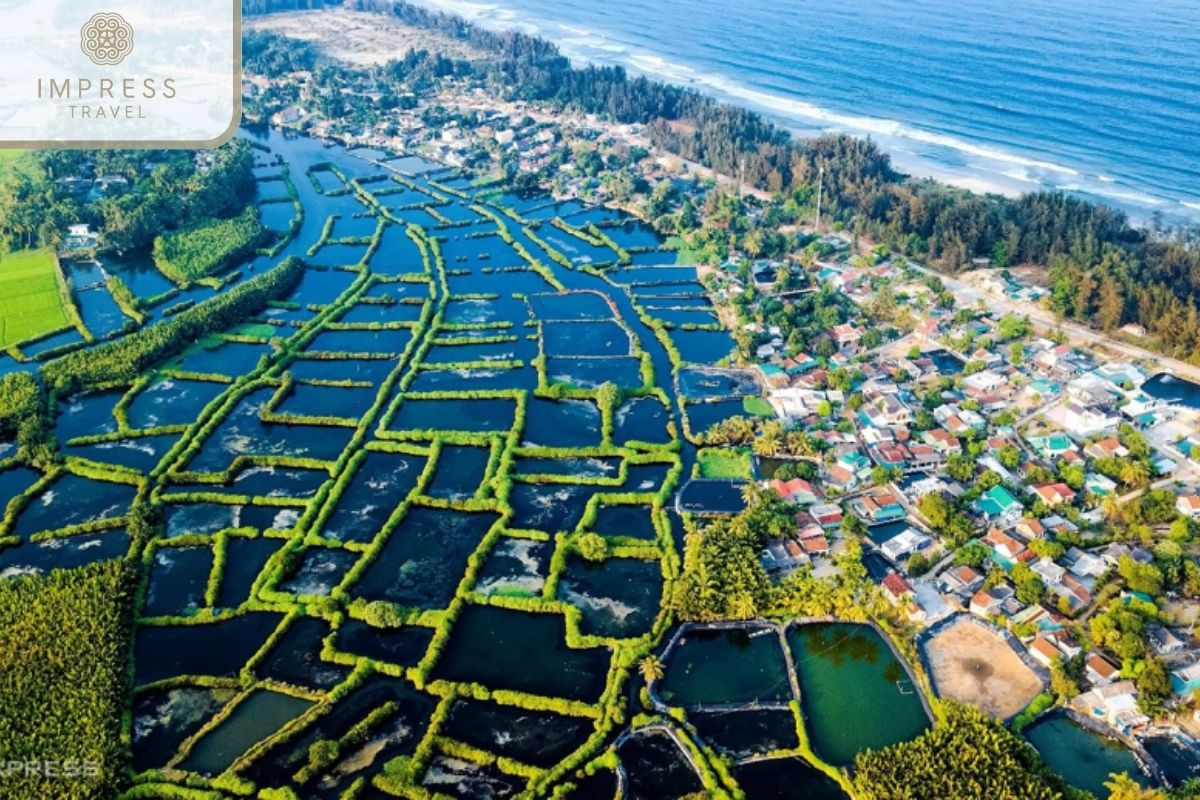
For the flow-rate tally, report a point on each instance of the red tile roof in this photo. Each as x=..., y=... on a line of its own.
x=896, y=585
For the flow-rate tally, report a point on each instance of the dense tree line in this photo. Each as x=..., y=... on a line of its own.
x=19, y=397
x=195, y=252
x=64, y=647
x=967, y=756
x=163, y=190
x=272, y=55
x=24, y=413
x=1154, y=274
x=125, y=358
x=723, y=576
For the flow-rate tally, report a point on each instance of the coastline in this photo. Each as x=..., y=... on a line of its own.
x=923, y=151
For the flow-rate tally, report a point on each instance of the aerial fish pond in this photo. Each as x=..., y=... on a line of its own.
x=412, y=524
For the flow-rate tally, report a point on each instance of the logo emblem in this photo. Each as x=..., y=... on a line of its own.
x=106, y=38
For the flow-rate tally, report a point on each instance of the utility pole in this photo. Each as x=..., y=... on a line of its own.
x=820, y=186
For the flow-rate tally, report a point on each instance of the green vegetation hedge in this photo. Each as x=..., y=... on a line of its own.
x=968, y=756
x=124, y=359
x=188, y=254
x=64, y=646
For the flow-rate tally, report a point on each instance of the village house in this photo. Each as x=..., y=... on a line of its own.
x=942, y=441
x=934, y=484
x=813, y=541
x=879, y=506
x=1114, y=552
x=1164, y=642
x=1055, y=362
x=1083, y=564
x=891, y=455
x=962, y=580
x=1052, y=446
x=904, y=544
x=1030, y=528
x=841, y=478
x=958, y=420
x=795, y=403
x=1053, y=494
x=1058, y=526
x=983, y=382
x=799, y=364
x=896, y=588
x=1108, y=447
x=1050, y=573
x=1042, y=390
x=783, y=557
x=846, y=336
x=924, y=457
x=1188, y=505
x=1114, y=703
x=998, y=504
x=1051, y=645
x=79, y=237
x=1077, y=593
x=797, y=491
x=827, y=515
x=998, y=601
x=1099, y=485
x=888, y=411
x=775, y=377
x=1099, y=670
x=1186, y=680
x=1007, y=550
x=1087, y=420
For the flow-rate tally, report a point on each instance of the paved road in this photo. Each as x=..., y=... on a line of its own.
x=1045, y=321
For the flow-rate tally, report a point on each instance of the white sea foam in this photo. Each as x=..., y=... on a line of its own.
x=491, y=15
x=914, y=149
x=794, y=107
x=1021, y=175
x=1130, y=196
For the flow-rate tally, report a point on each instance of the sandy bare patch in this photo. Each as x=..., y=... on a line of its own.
x=361, y=38
x=972, y=664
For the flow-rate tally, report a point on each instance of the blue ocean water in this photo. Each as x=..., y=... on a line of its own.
x=1095, y=97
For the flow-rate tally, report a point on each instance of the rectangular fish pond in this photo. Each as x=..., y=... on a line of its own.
x=848, y=672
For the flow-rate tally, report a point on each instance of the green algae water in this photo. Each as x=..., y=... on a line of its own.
x=1084, y=759
x=854, y=692
x=730, y=666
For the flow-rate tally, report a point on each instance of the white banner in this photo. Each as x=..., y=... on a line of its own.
x=119, y=73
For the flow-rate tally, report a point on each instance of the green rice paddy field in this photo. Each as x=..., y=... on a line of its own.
x=29, y=300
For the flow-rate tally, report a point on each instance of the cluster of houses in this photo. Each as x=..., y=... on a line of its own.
x=464, y=125
x=816, y=524
x=1002, y=283
x=475, y=132
x=1018, y=434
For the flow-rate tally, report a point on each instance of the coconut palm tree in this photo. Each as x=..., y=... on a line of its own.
x=1123, y=787
x=771, y=439
x=1111, y=506
x=750, y=493
x=1135, y=473
x=742, y=606
x=651, y=669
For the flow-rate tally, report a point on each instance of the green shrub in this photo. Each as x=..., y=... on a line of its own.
x=64, y=643
x=198, y=251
